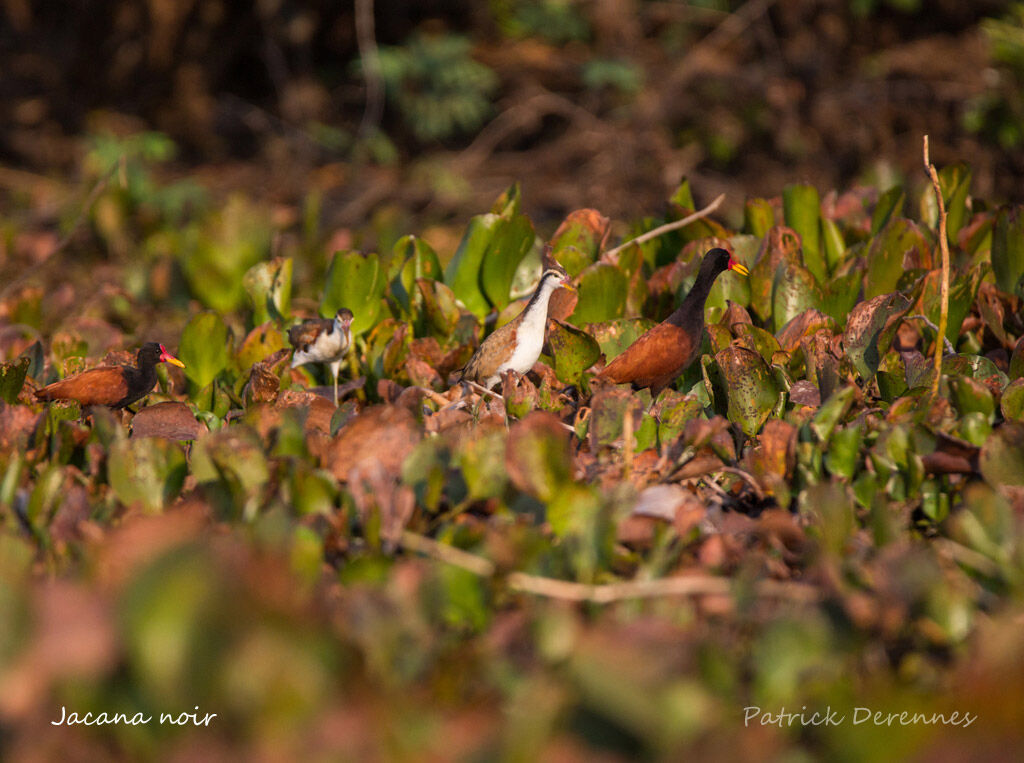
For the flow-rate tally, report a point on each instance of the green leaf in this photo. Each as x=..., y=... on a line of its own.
x=1012, y=402
x=511, y=240
x=962, y=293
x=971, y=396
x=1008, y=249
x=870, y=330
x=419, y=261
x=889, y=206
x=794, y=290
x=843, y=292
x=463, y=272
x=833, y=244
x=356, y=281
x=843, y=454
x=801, y=208
x=269, y=285
x=602, y=295
x=897, y=247
x=751, y=389
x=955, y=182
x=149, y=471
x=12, y=379
x=578, y=240
x=832, y=412
x=204, y=348
x=573, y=351
x=1002, y=456
x=614, y=337
x=758, y=217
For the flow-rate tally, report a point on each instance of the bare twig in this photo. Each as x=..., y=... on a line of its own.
x=661, y=230
x=944, y=248
x=567, y=590
x=367, y=41
x=950, y=349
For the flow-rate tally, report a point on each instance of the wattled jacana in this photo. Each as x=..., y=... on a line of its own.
x=660, y=356
x=112, y=386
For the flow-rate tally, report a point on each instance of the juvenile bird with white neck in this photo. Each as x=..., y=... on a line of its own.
x=516, y=345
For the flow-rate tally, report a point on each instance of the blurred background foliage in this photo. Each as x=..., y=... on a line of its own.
x=601, y=103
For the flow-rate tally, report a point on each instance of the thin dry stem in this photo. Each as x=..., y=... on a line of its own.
x=661, y=230
x=567, y=590
x=944, y=289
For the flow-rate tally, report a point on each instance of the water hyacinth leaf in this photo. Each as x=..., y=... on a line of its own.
x=12, y=379
x=613, y=337
x=843, y=454
x=1008, y=249
x=262, y=342
x=751, y=389
x=482, y=462
x=1017, y=360
x=832, y=243
x=463, y=272
x=955, y=182
x=962, y=294
x=1012, y=402
x=269, y=285
x=418, y=260
x=781, y=245
x=758, y=217
x=900, y=246
x=602, y=295
x=801, y=208
x=870, y=330
x=1002, y=456
x=843, y=292
x=757, y=339
x=538, y=459
x=794, y=290
x=356, y=281
x=676, y=410
x=204, y=348
x=890, y=205
x=972, y=396
x=573, y=351
x=973, y=366
x=584, y=232
x=149, y=471
x=442, y=311
x=511, y=240
x=832, y=412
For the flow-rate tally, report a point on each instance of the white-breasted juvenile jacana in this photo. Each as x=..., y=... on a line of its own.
x=322, y=340
x=516, y=345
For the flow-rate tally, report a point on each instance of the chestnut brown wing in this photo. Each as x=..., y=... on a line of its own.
x=654, y=359
x=106, y=385
x=305, y=333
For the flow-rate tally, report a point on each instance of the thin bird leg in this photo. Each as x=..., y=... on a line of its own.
x=335, y=367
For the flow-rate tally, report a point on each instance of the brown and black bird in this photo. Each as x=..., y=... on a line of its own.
x=660, y=356
x=516, y=345
x=322, y=340
x=112, y=386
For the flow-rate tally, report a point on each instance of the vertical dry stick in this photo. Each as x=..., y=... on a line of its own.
x=944, y=247
x=367, y=41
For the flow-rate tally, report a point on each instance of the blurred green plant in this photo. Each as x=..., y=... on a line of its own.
x=438, y=88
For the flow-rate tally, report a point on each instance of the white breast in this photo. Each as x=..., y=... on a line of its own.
x=530, y=334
